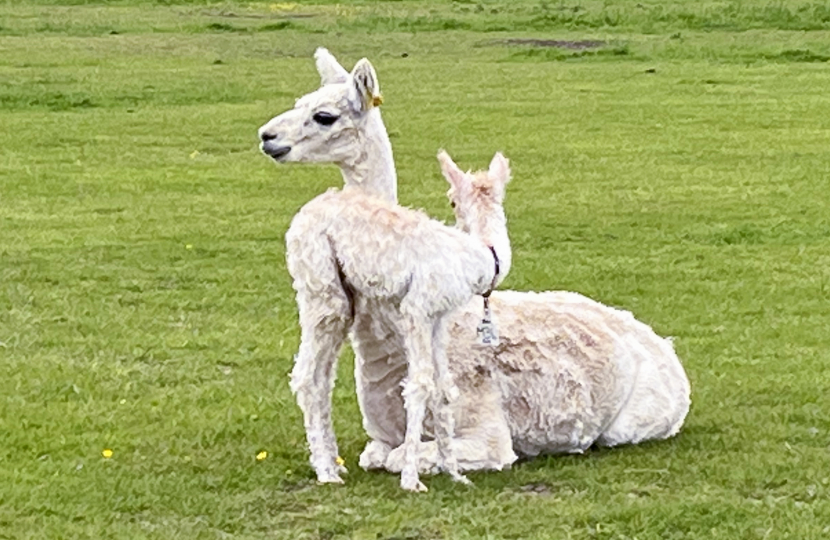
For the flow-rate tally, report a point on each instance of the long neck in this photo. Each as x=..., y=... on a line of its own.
x=373, y=167
x=494, y=233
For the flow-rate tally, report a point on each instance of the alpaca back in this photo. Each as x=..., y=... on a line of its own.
x=388, y=251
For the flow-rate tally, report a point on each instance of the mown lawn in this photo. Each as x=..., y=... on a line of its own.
x=679, y=168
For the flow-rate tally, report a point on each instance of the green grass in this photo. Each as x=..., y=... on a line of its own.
x=679, y=171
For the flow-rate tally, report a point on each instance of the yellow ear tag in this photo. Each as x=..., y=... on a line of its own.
x=377, y=100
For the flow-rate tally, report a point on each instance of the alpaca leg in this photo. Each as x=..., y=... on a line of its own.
x=429, y=460
x=482, y=439
x=379, y=369
x=417, y=393
x=324, y=326
x=374, y=455
x=475, y=452
x=445, y=397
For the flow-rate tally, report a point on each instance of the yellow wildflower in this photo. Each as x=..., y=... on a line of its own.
x=262, y=455
x=107, y=453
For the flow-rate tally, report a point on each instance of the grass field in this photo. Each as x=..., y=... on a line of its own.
x=679, y=170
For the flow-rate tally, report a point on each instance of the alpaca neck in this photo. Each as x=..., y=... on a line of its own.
x=373, y=168
x=495, y=235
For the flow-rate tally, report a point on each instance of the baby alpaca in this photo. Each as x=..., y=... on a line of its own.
x=345, y=245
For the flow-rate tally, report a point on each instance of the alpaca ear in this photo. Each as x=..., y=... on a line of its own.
x=451, y=172
x=329, y=68
x=366, y=83
x=500, y=169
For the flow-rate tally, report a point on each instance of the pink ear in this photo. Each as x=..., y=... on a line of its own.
x=500, y=168
x=451, y=172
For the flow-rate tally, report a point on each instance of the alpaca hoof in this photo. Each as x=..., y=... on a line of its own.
x=461, y=479
x=428, y=459
x=374, y=455
x=414, y=485
x=396, y=460
x=329, y=478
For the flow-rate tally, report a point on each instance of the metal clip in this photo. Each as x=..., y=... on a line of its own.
x=486, y=332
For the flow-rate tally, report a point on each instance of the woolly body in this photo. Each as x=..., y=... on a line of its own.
x=583, y=373
x=388, y=253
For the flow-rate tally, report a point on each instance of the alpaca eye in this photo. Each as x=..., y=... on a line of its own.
x=452, y=203
x=325, y=119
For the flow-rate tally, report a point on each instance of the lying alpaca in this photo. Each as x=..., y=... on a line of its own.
x=568, y=372
x=346, y=243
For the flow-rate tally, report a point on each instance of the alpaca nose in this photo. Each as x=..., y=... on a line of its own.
x=271, y=145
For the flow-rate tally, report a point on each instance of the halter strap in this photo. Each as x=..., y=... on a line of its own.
x=486, y=295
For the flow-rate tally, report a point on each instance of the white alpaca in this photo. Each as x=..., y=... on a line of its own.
x=569, y=371
x=345, y=245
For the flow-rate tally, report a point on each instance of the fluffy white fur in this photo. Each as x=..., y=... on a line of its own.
x=345, y=246
x=569, y=372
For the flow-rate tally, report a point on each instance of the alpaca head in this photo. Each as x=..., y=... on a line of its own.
x=477, y=199
x=325, y=125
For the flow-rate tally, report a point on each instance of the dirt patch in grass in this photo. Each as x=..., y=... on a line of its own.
x=798, y=55
x=539, y=488
x=232, y=15
x=578, y=45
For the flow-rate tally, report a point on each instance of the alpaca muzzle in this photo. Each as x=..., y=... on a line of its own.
x=273, y=149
